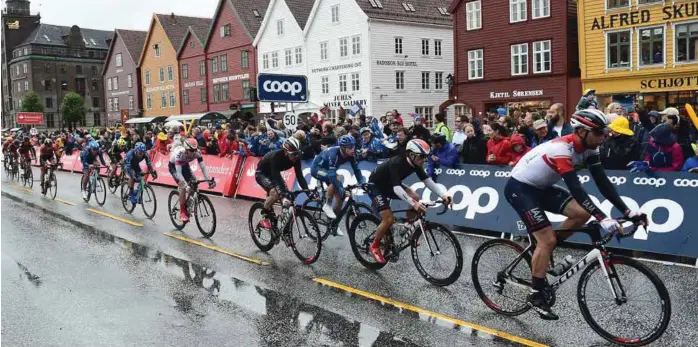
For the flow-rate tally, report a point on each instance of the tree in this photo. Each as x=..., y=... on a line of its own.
x=72, y=109
x=31, y=103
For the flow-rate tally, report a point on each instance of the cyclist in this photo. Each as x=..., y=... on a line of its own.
x=386, y=184
x=114, y=153
x=47, y=157
x=268, y=175
x=531, y=191
x=181, y=172
x=11, y=150
x=89, y=157
x=6, y=144
x=133, y=168
x=27, y=151
x=324, y=169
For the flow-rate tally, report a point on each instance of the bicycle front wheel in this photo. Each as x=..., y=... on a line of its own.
x=314, y=208
x=441, y=249
x=52, y=188
x=173, y=210
x=113, y=184
x=29, y=177
x=501, y=273
x=125, y=201
x=639, y=315
x=260, y=230
x=205, y=216
x=305, y=237
x=101, y=192
x=149, y=202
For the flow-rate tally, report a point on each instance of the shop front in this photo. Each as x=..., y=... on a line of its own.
x=651, y=92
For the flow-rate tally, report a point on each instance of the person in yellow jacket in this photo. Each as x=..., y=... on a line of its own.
x=441, y=127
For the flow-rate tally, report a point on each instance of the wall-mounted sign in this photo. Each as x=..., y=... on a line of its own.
x=662, y=83
x=119, y=70
x=515, y=94
x=30, y=118
x=120, y=93
x=633, y=18
x=337, y=67
x=231, y=78
x=396, y=63
x=194, y=84
x=13, y=25
x=345, y=101
x=159, y=88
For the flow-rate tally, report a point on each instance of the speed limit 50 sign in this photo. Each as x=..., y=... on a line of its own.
x=290, y=120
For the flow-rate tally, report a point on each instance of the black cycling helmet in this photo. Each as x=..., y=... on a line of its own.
x=439, y=138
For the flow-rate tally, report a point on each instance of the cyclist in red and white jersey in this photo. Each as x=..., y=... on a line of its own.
x=532, y=191
x=182, y=174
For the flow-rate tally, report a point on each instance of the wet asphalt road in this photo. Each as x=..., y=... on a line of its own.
x=105, y=290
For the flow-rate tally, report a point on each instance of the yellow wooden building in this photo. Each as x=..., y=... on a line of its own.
x=643, y=51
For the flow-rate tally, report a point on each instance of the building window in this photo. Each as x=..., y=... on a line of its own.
x=245, y=59
x=116, y=82
x=541, y=8
x=162, y=74
x=517, y=11
x=78, y=69
x=541, y=56
x=473, y=15
x=49, y=121
x=96, y=119
x=519, y=59
x=173, y=98
x=49, y=103
x=119, y=62
x=185, y=97
x=335, y=14
x=686, y=42
x=116, y=104
x=343, y=83
x=246, y=90
x=95, y=102
x=95, y=85
x=202, y=68
x=170, y=73
x=227, y=30
x=275, y=59
x=400, y=80
x=437, y=48
x=163, y=99
x=398, y=45
x=651, y=46
x=323, y=50
x=130, y=102
x=325, y=85
x=214, y=65
x=425, y=80
x=280, y=27
x=617, y=3
x=216, y=93
x=26, y=86
x=110, y=104
x=48, y=86
x=147, y=77
x=299, y=55
x=157, y=50
x=355, y=85
x=427, y=112
x=109, y=87
x=289, y=57
x=129, y=80
x=265, y=61
x=343, y=49
x=203, y=95
x=438, y=80
x=356, y=45
x=643, y=2
x=224, y=92
x=425, y=46
x=475, y=64
x=24, y=68
x=148, y=101
x=224, y=63
x=618, y=49
x=185, y=71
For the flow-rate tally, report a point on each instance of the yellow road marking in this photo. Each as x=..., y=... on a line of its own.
x=22, y=188
x=115, y=217
x=408, y=307
x=218, y=249
x=65, y=202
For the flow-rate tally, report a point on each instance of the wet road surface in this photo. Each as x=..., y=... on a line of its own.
x=284, y=275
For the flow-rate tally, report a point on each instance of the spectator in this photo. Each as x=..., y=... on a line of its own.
x=526, y=128
x=371, y=148
x=459, y=132
x=621, y=147
x=402, y=139
x=211, y=144
x=637, y=128
x=398, y=117
x=680, y=128
x=418, y=131
x=487, y=131
x=557, y=120
x=498, y=146
x=443, y=153
x=691, y=164
x=614, y=107
x=507, y=123
x=587, y=100
x=474, y=146
x=518, y=149
x=328, y=137
x=663, y=152
x=162, y=144
x=441, y=127
x=542, y=134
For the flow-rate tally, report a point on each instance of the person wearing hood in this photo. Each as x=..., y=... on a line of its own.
x=443, y=153
x=371, y=148
x=518, y=149
x=475, y=145
x=587, y=100
x=418, y=131
x=621, y=147
x=498, y=146
x=663, y=152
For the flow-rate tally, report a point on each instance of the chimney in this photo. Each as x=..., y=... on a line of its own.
x=172, y=18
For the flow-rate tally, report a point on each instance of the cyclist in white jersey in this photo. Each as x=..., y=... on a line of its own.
x=532, y=191
x=180, y=171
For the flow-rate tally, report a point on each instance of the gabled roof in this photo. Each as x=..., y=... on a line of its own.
x=198, y=33
x=176, y=26
x=133, y=41
x=425, y=11
x=245, y=13
x=299, y=8
x=49, y=34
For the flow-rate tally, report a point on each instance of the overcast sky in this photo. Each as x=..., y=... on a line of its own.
x=113, y=14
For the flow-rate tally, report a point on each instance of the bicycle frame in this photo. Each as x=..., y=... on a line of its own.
x=348, y=203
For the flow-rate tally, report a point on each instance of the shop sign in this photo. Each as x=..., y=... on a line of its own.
x=120, y=93
x=13, y=25
x=337, y=67
x=675, y=82
x=396, y=63
x=231, y=78
x=633, y=18
x=159, y=88
x=193, y=84
x=515, y=94
x=345, y=101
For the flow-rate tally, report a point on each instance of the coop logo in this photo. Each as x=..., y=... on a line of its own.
x=480, y=173
x=618, y=180
x=583, y=179
x=482, y=200
x=286, y=87
x=650, y=181
x=684, y=182
x=502, y=174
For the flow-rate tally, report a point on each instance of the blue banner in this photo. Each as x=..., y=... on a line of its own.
x=283, y=88
x=478, y=202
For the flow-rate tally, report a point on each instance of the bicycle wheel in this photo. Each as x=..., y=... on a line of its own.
x=204, y=211
x=305, y=237
x=87, y=188
x=148, y=199
x=314, y=208
x=440, y=247
x=262, y=237
x=501, y=273
x=361, y=235
x=52, y=189
x=125, y=201
x=357, y=209
x=641, y=315
x=100, y=192
x=173, y=210
x=113, y=184
x=29, y=176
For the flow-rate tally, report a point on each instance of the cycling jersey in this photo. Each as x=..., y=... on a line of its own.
x=179, y=164
x=132, y=163
x=325, y=167
x=87, y=159
x=388, y=176
x=26, y=149
x=271, y=166
x=115, y=152
x=46, y=153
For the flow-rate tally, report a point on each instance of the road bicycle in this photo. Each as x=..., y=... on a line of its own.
x=11, y=168
x=27, y=175
x=115, y=181
x=95, y=186
x=606, y=286
x=350, y=210
x=295, y=226
x=426, y=240
x=198, y=206
x=144, y=193
x=50, y=184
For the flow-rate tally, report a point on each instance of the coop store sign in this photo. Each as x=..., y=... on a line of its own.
x=515, y=94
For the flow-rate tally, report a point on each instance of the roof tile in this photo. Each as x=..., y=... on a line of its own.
x=176, y=26
x=133, y=40
x=246, y=8
x=426, y=11
x=49, y=34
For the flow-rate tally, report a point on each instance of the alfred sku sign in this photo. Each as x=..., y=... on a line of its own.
x=633, y=18
x=662, y=83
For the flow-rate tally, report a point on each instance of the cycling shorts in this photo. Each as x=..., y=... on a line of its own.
x=44, y=159
x=381, y=197
x=267, y=183
x=186, y=172
x=115, y=158
x=86, y=168
x=322, y=175
x=531, y=203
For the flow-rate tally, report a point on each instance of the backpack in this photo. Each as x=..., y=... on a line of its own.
x=658, y=156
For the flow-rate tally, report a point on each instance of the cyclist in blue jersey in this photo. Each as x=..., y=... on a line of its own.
x=132, y=166
x=88, y=158
x=324, y=169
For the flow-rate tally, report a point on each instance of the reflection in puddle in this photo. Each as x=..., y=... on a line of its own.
x=34, y=279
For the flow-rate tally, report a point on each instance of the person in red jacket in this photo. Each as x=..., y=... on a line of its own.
x=663, y=153
x=518, y=149
x=233, y=146
x=161, y=145
x=498, y=146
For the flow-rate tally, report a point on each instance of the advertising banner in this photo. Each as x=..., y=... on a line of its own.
x=282, y=88
x=30, y=118
x=69, y=161
x=223, y=170
x=248, y=184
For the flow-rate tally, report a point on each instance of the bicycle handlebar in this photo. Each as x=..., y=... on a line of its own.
x=623, y=233
x=436, y=203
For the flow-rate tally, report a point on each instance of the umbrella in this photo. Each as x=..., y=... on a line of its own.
x=15, y=129
x=173, y=123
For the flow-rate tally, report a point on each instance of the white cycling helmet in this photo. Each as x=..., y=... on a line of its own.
x=418, y=146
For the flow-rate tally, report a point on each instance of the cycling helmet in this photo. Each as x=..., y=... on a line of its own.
x=190, y=144
x=117, y=135
x=48, y=142
x=347, y=141
x=438, y=138
x=589, y=119
x=140, y=147
x=292, y=146
x=418, y=146
x=365, y=129
x=121, y=143
x=93, y=145
x=17, y=143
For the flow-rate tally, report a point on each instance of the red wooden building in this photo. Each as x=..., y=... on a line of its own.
x=193, y=72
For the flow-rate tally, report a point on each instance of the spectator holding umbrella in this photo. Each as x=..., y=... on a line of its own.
x=498, y=146
x=621, y=147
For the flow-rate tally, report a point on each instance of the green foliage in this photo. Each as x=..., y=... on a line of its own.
x=31, y=103
x=72, y=109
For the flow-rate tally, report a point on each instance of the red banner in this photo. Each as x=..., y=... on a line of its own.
x=248, y=184
x=223, y=170
x=30, y=118
x=70, y=160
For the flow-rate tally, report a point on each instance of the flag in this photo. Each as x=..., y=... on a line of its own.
x=325, y=109
x=355, y=109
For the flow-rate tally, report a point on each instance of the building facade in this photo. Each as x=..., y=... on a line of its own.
x=530, y=65
x=122, y=77
x=193, y=71
x=644, y=52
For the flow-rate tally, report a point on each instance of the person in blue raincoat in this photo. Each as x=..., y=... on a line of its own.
x=443, y=154
x=371, y=148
